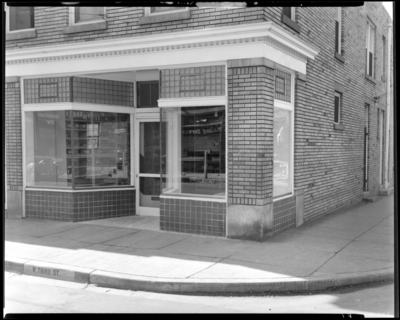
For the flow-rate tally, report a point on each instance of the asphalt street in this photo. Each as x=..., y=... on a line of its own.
x=27, y=294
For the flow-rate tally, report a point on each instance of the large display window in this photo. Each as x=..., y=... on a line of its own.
x=193, y=154
x=77, y=149
x=282, y=152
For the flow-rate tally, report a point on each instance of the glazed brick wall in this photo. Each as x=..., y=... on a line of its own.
x=123, y=22
x=193, y=82
x=193, y=216
x=77, y=89
x=250, y=135
x=284, y=215
x=79, y=206
x=13, y=135
x=33, y=92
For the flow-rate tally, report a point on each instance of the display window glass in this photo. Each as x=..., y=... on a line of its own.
x=282, y=152
x=193, y=153
x=77, y=149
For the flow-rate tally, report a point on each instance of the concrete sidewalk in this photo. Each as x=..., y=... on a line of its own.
x=348, y=247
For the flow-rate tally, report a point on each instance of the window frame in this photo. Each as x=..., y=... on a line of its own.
x=174, y=15
x=287, y=106
x=173, y=187
x=370, y=26
x=292, y=13
x=9, y=21
x=384, y=54
x=338, y=36
x=72, y=22
x=148, y=13
x=18, y=34
x=339, y=95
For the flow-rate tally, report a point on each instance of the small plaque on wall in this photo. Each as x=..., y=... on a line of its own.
x=48, y=90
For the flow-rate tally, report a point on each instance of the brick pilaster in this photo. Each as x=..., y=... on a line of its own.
x=250, y=148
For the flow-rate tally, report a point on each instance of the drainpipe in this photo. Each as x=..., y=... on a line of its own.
x=388, y=106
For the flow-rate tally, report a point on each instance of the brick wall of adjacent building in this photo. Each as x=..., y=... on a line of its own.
x=329, y=162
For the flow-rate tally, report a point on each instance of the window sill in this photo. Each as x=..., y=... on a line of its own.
x=370, y=79
x=165, y=17
x=101, y=25
x=339, y=57
x=338, y=126
x=22, y=34
x=290, y=23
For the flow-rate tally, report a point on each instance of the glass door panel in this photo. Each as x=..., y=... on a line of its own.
x=148, y=171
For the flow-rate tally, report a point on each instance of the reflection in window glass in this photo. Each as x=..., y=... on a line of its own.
x=101, y=149
x=77, y=149
x=195, y=145
x=282, y=153
x=46, y=149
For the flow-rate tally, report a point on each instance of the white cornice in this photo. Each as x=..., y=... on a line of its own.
x=265, y=32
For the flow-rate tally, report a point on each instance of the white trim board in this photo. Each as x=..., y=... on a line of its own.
x=192, y=101
x=254, y=40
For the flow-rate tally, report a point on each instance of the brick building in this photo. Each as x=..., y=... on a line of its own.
x=232, y=122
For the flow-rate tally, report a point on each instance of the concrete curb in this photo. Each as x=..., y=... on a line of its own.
x=130, y=282
x=204, y=286
x=48, y=270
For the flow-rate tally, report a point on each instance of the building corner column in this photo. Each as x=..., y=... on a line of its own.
x=251, y=89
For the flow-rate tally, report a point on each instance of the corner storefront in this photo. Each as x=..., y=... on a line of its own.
x=196, y=127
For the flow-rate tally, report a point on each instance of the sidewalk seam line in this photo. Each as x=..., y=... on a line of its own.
x=345, y=247
x=204, y=269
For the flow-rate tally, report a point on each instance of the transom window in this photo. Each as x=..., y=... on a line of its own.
x=282, y=86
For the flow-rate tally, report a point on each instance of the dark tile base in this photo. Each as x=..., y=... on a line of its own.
x=284, y=215
x=79, y=206
x=193, y=216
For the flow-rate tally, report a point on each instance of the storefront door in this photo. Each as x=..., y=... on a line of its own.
x=148, y=166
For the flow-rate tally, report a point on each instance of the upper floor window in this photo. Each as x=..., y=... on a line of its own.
x=288, y=17
x=80, y=15
x=384, y=57
x=21, y=18
x=338, y=105
x=370, y=48
x=163, y=10
x=289, y=12
x=338, y=30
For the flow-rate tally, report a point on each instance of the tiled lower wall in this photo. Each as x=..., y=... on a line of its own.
x=193, y=216
x=79, y=206
x=284, y=214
